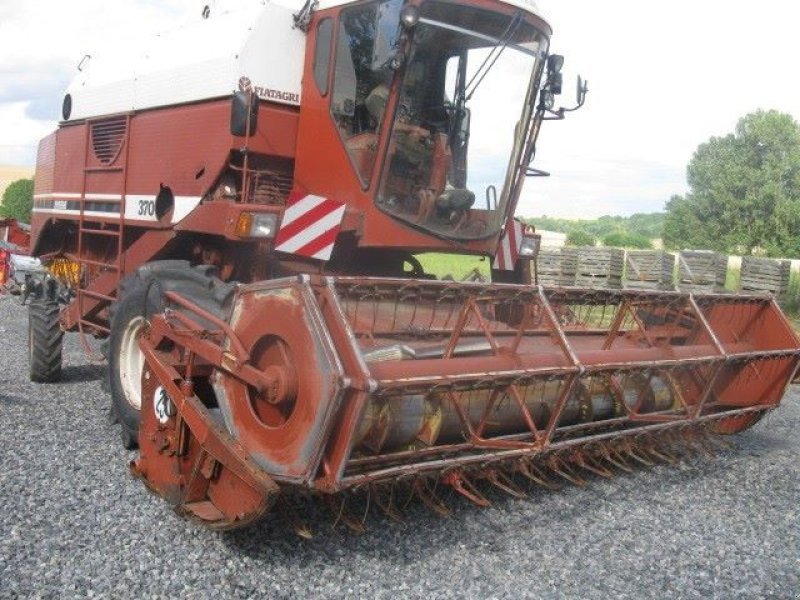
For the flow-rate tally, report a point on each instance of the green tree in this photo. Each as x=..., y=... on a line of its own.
x=744, y=191
x=626, y=239
x=649, y=225
x=18, y=200
x=578, y=237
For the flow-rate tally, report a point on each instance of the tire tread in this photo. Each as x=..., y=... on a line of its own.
x=46, y=342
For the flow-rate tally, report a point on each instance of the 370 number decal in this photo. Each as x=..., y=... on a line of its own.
x=147, y=208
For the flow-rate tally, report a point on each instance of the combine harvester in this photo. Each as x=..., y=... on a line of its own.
x=238, y=213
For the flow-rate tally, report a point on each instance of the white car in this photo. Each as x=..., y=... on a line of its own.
x=20, y=266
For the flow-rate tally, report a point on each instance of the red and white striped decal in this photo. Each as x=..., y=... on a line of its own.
x=309, y=227
x=508, y=248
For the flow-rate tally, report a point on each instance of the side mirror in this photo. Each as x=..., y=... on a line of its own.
x=556, y=81
x=583, y=87
x=244, y=108
x=555, y=62
x=553, y=87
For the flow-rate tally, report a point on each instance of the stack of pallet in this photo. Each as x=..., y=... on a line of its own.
x=702, y=271
x=600, y=268
x=649, y=270
x=765, y=275
x=556, y=266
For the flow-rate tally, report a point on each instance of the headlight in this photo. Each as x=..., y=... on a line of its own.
x=265, y=225
x=529, y=247
x=257, y=225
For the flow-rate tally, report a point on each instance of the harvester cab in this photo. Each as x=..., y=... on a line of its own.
x=431, y=112
x=237, y=218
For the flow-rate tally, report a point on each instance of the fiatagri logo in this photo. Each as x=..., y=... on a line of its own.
x=246, y=85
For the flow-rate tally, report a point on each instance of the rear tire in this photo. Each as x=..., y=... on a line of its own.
x=45, y=341
x=141, y=295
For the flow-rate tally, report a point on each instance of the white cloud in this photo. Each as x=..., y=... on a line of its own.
x=664, y=77
x=38, y=56
x=20, y=134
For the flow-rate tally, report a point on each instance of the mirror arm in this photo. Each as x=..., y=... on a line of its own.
x=554, y=115
x=581, y=99
x=532, y=172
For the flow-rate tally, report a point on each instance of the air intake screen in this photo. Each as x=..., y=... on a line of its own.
x=108, y=137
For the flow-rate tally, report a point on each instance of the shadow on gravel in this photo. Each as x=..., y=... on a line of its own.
x=6, y=399
x=273, y=538
x=764, y=441
x=82, y=373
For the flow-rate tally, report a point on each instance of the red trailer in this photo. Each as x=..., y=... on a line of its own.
x=15, y=234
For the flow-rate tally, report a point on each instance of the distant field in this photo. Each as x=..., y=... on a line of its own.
x=458, y=267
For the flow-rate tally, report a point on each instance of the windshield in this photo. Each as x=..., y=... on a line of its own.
x=454, y=139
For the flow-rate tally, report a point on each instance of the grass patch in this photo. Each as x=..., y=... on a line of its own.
x=732, y=279
x=791, y=303
x=454, y=265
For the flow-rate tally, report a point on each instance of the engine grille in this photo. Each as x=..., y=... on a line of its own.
x=107, y=138
x=270, y=186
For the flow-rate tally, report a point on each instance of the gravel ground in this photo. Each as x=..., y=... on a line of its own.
x=73, y=523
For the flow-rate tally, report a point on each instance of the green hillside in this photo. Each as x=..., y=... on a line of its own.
x=650, y=226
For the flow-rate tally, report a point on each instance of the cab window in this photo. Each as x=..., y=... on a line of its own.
x=322, y=55
x=366, y=41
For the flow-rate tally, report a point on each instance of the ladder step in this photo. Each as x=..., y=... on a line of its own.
x=95, y=263
x=96, y=295
x=103, y=169
x=94, y=325
x=104, y=232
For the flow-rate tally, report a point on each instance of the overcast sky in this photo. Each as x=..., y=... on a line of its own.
x=663, y=78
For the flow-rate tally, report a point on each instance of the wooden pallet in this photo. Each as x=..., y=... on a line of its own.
x=557, y=266
x=762, y=275
x=600, y=268
x=702, y=271
x=649, y=270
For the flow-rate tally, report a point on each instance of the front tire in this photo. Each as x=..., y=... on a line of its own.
x=141, y=295
x=45, y=341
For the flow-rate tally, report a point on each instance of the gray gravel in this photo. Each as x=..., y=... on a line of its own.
x=73, y=523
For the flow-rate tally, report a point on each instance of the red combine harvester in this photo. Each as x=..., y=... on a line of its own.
x=238, y=213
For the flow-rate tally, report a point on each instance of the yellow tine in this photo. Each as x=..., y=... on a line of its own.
x=529, y=471
x=430, y=499
x=617, y=462
x=564, y=471
x=586, y=462
x=344, y=516
x=503, y=482
x=386, y=505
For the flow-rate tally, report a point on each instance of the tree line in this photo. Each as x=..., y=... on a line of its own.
x=743, y=198
x=636, y=231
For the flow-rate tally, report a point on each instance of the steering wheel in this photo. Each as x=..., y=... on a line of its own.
x=417, y=271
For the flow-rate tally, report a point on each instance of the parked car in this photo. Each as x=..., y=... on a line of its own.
x=14, y=266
